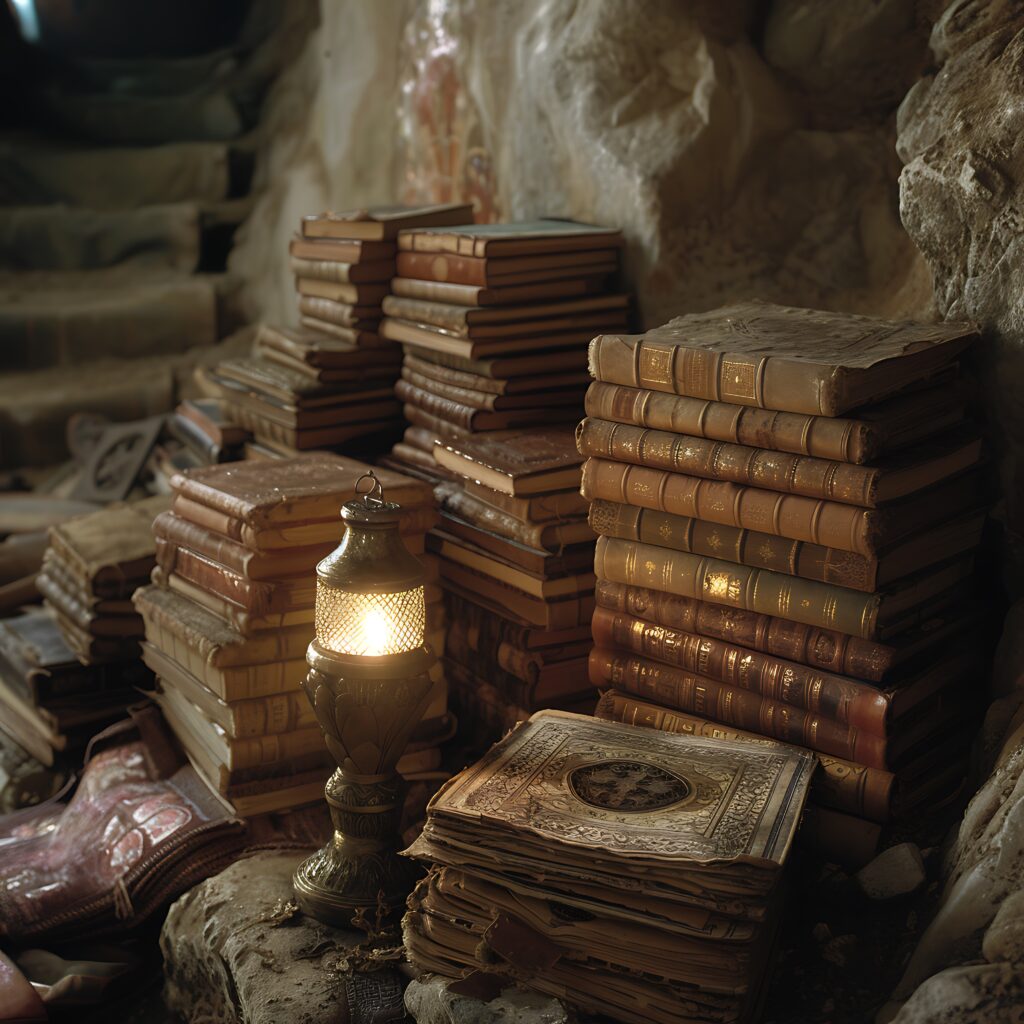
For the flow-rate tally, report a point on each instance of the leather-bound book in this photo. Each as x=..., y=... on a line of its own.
x=541, y=289
x=342, y=314
x=542, y=396
x=511, y=366
x=301, y=490
x=342, y=273
x=779, y=357
x=338, y=250
x=926, y=464
x=89, y=620
x=109, y=552
x=685, y=691
x=869, y=432
x=828, y=523
x=523, y=238
x=843, y=785
x=365, y=334
x=794, y=557
x=291, y=441
x=336, y=291
x=509, y=321
x=869, y=616
x=480, y=383
x=553, y=506
x=442, y=429
x=505, y=271
x=494, y=629
x=481, y=350
x=377, y=223
x=825, y=649
x=262, y=378
x=324, y=351
x=530, y=462
x=859, y=705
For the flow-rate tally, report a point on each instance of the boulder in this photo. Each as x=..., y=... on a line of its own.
x=1004, y=940
x=975, y=994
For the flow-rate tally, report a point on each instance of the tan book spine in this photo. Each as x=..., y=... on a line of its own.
x=824, y=437
x=459, y=415
x=822, y=648
x=719, y=460
x=729, y=705
x=737, y=586
x=858, y=705
x=733, y=543
x=276, y=713
x=340, y=314
x=259, y=750
x=827, y=523
x=342, y=273
x=840, y=784
x=735, y=378
x=433, y=267
x=446, y=316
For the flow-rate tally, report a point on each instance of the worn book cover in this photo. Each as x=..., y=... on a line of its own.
x=780, y=357
x=473, y=271
x=384, y=222
x=511, y=239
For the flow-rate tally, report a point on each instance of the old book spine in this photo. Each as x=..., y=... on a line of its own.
x=321, y=270
x=486, y=628
x=178, y=531
x=841, y=784
x=698, y=695
x=458, y=648
x=737, y=586
x=822, y=648
x=823, y=437
x=719, y=460
x=339, y=313
x=436, y=267
x=464, y=396
x=434, y=405
x=420, y=311
x=858, y=705
x=437, y=425
x=748, y=547
x=279, y=713
x=738, y=378
x=255, y=598
x=261, y=750
x=827, y=523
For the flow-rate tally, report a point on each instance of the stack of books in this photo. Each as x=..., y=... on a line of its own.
x=90, y=568
x=634, y=874
x=493, y=320
x=230, y=614
x=51, y=704
x=516, y=559
x=331, y=382
x=787, y=505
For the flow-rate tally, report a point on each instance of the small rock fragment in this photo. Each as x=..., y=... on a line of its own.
x=895, y=872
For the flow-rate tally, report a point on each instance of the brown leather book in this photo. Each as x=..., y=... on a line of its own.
x=507, y=367
x=793, y=557
x=367, y=332
x=685, y=691
x=513, y=239
x=474, y=295
x=539, y=508
x=863, y=706
x=528, y=610
x=873, y=431
x=89, y=620
x=481, y=349
x=840, y=784
x=259, y=597
x=441, y=429
x=247, y=562
x=304, y=489
x=549, y=537
x=922, y=466
x=209, y=415
x=474, y=419
x=341, y=314
x=529, y=462
x=541, y=398
x=306, y=439
x=543, y=380
x=495, y=629
x=504, y=272
x=385, y=222
x=830, y=524
x=276, y=388
x=779, y=357
x=821, y=648
x=772, y=593
x=336, y=250
x=343, y=273
x=337, y=291
x=355, y=349
x=508, y=321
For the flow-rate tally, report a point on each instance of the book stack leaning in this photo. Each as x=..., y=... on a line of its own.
x=787, y=505
x=631, y=873
x=230, y=614
x=330, y=381
x=494, y=320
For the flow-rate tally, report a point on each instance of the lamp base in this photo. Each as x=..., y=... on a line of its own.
x=358, y=875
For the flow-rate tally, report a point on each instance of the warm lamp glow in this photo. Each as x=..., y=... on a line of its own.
x=369, y=625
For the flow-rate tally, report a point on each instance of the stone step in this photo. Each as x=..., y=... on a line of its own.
x=35, y=407
x=34, y=172
x=175, y=236
x=73, y=319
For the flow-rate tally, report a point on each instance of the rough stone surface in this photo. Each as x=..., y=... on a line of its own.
x=430, y=1002
x=238, y=951
x=895, y=872
x=1004, y=939
x=975, y=994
